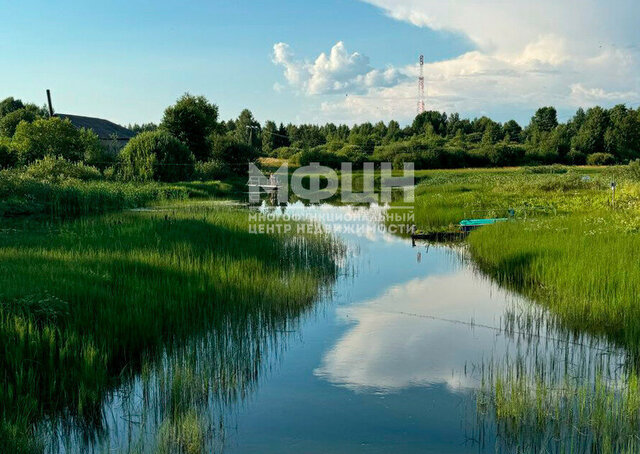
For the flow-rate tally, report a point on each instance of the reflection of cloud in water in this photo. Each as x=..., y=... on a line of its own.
x=388, y=349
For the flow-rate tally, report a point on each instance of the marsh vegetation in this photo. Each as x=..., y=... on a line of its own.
x=84, y=301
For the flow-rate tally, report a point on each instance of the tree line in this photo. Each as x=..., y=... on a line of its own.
x=192, y=142
x=596, y=136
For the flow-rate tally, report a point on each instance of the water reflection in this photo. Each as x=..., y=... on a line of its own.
x=416, y=334
x=391, y=360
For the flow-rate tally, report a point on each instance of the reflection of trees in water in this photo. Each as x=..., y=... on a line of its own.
x=178, y=401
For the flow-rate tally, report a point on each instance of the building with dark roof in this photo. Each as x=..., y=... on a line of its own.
x=114, y=137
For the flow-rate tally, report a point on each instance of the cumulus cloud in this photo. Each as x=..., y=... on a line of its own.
x=502, y=86
x=527, y=54
x=499, y=26
x=336, y=72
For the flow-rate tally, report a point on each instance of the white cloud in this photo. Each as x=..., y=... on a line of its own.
x=528, y=54
x=337, y=72
x=499, y=26
x=589, y=96
x=477, y=83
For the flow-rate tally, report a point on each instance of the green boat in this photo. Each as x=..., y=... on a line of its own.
x=467, y=225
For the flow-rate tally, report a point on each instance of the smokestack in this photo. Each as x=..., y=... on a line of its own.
x=49, y=101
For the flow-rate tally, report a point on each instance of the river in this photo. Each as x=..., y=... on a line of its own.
x=389, y=360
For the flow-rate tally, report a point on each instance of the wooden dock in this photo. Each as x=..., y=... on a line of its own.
x=438, y=236
x=272, y=185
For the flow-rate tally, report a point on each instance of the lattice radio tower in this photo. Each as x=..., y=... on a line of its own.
x=421, y=86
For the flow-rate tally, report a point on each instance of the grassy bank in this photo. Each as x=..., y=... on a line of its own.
x=583, y=267
x=25, y=195
x=566, y=245
x=82, y=301
x=570, y=249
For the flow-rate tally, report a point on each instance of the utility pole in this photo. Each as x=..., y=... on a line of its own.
x=251, y=128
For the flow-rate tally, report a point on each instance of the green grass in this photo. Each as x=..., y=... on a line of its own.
x=23, y=195
x=567, y=247
x=542, y=406
x=84, y=300
x=444, y=198
x=583, y=267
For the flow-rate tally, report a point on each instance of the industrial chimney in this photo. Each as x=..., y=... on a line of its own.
x=49, y=103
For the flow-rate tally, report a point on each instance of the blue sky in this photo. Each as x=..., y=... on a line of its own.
x=126, y=61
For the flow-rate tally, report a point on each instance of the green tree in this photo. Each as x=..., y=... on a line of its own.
x=192, y=119
x=10, y=121
x=545, y=119
x=379, y=131
x=363, y=142
x=437, y=121
x=156, y=155
x=9, y=105
x=247, y=130
x=269, y=138
x=342, y=133
x=143, y=127
x=236, y=155
x=590, y=137
x=54, y=137
x=622, y=137
x=513, y=129
x=8, y=157
x=282, y=139
x=393, y=132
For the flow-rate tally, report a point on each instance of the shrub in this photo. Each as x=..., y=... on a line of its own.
x=430, y=158
x=234, y=154
x=633, y=170
x=601, y=159
x=386, y=153
x=454, y=157
x=156, y=155
x=535, y=156
x=110, y=173
x=353, y=154
x=555, y=169
x=319, y=155
x=55, y=170
x=505, y=154
x=211, y=170
x=10, y=122
x=576, y=157
x=400, y=159
x=8, y=157
x=52, y=136
x=284, y=152
x=478, y=157
x=100, y=155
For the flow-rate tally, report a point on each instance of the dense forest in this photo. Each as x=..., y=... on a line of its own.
x=191, y=142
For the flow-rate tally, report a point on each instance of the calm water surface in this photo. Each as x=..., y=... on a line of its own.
x=388, y=361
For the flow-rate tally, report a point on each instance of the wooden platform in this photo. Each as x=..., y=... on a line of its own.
x=266, y=187
x=438, y=236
